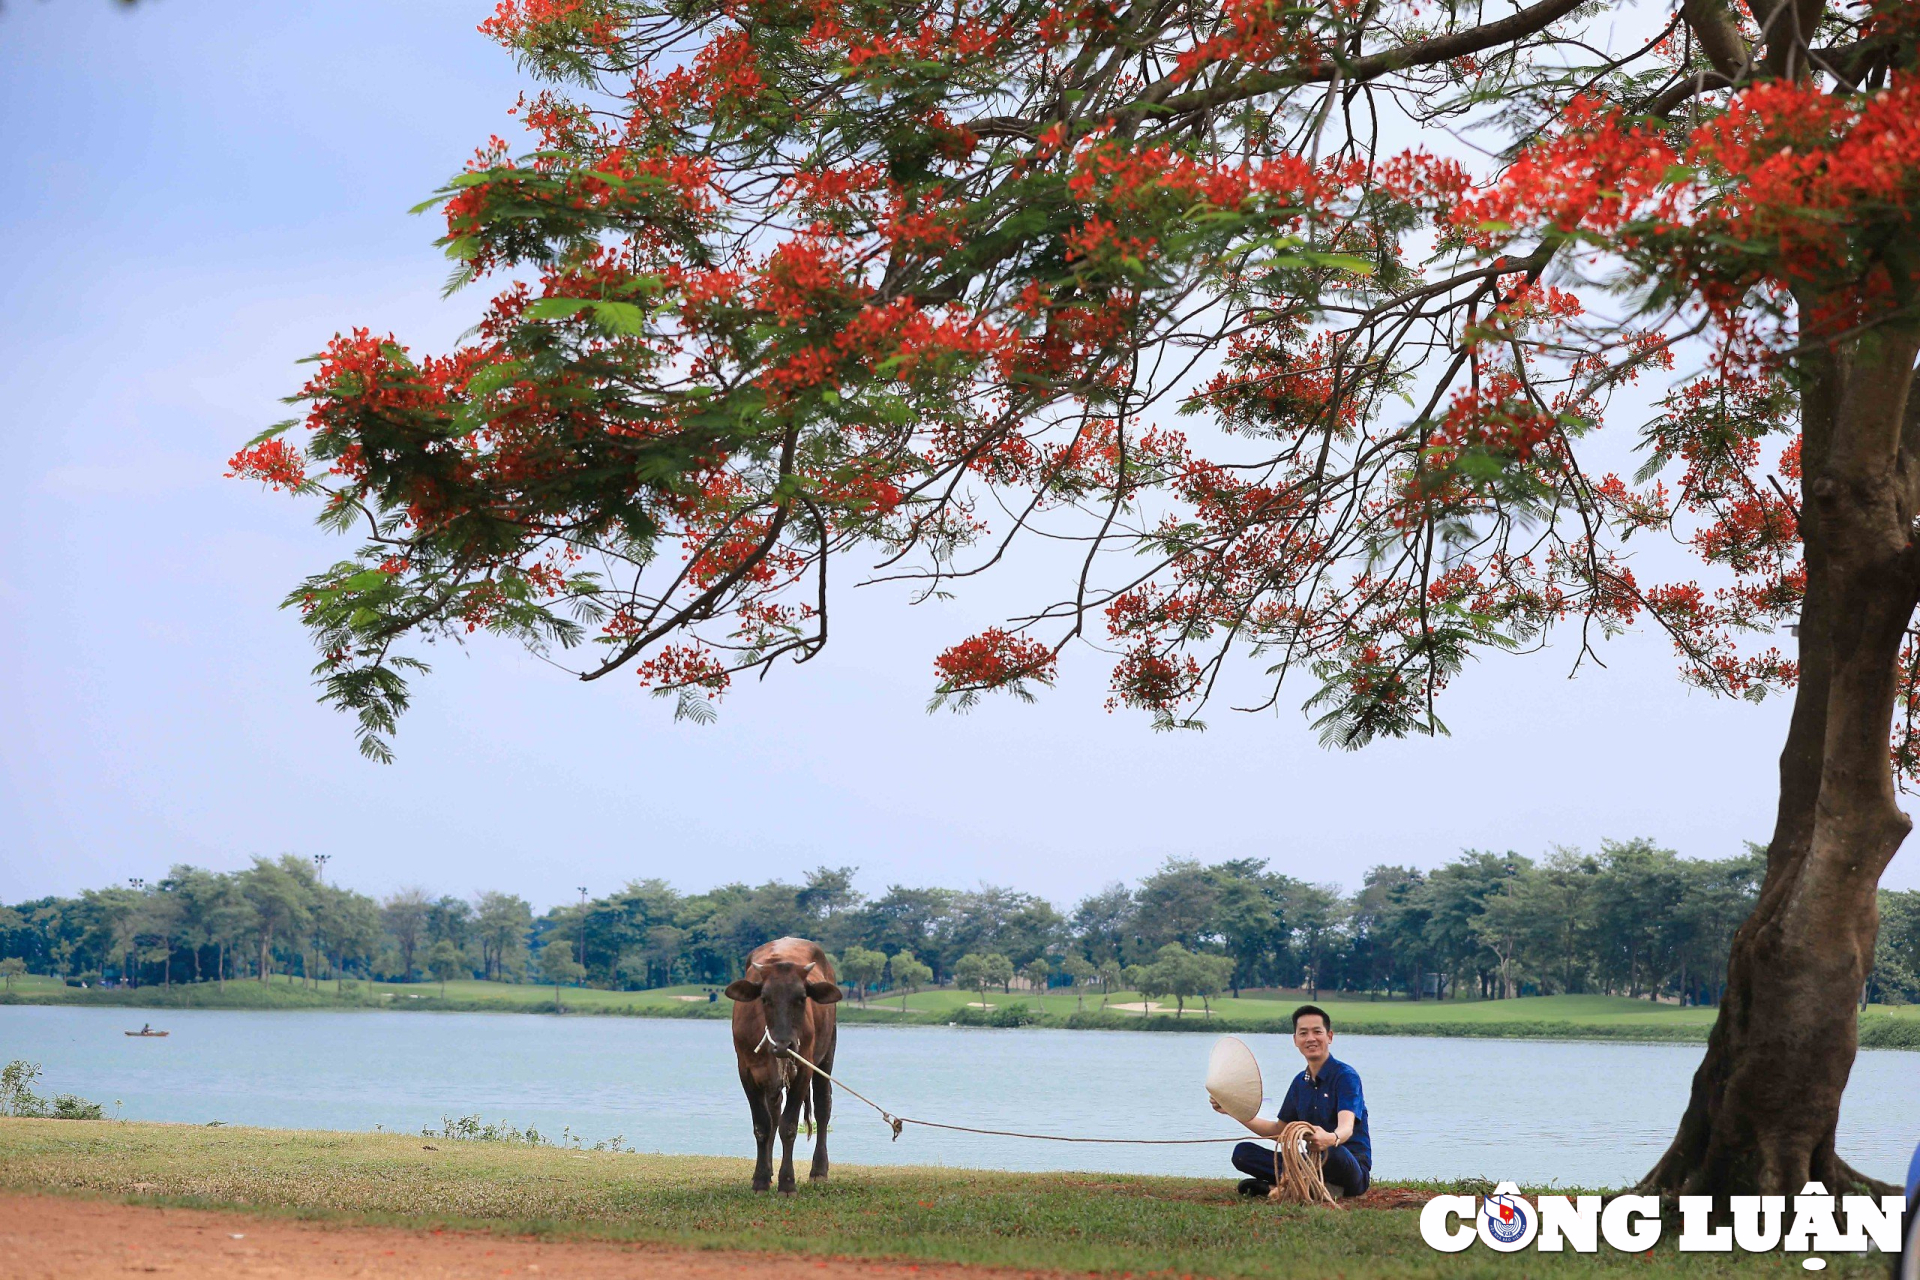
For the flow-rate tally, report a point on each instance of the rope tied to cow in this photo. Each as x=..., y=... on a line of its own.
x=1299, y=1175
x=898, y=1123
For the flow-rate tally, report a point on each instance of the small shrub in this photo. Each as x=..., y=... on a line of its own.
x=1889, y=1033
x=18, y=1099
x=474, y=1129
x=1016, y=1014
x=68, y=1107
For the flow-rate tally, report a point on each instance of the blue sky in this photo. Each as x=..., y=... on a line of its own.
x=201, y=194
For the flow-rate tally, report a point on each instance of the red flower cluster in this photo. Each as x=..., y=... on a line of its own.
x=274, y=462
x=994, y=659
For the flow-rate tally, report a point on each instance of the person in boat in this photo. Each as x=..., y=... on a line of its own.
x=1326, y=1095
x=146, y=1028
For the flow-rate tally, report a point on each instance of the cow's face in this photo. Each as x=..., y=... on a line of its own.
x=783, y=991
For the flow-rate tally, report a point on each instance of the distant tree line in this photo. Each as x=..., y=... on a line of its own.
x=1632, y=919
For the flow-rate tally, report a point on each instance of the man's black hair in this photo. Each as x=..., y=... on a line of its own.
x=1305, y=1009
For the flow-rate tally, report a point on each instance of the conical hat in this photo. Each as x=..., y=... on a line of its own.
x=1233, y=1078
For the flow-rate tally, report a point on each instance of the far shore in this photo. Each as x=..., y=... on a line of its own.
x=1581, y=1017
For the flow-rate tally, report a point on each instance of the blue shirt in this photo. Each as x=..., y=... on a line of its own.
x=1320, y=1101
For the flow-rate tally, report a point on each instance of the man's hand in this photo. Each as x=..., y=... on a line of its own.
x=1322, y=1140
x=1257, y=1127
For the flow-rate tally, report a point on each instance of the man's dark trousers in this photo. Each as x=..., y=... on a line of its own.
x=1255, y=1159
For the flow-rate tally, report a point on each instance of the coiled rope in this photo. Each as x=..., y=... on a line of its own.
x=897, y=1123
x=1299, y=1175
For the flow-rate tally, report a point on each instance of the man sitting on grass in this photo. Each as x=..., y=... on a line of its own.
x=1327, y=1096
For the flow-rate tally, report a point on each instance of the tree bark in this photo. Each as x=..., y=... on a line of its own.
x=1766, y=1098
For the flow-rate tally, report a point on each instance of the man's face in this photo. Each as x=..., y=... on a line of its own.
x=1311, y=1037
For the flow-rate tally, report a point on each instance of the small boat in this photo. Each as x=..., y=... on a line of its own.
x=149, y=1032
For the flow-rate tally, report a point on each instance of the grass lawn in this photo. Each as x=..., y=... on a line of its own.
x=1072, y=1222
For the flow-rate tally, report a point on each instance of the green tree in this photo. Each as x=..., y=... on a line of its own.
x=1103, y=923
x=1147, y=980
x=1177, y=903
x=1187, y=975
x=1212, y=975
x=10, y=968
x=558, y=966
x=862, y=967
x=976, y=972
x=198, y=894
x=501, y=922
x=1000, y=970
x=1896, y=953
x=1561, y=895
x=907, y=919
x=1506, y=923
x=445, y=961
x=663, y=948
x=1716, y=896
x=347, y=925
x=1110, y=974
x=1247, y=918
x=829, y=900
x=909, y=974
x=156, y=928
x=1038, y=972
x=230, y=921
x=1081, y=971
x=1315, y=913
x=405, y=916
x=995, y=919
x=279, y=893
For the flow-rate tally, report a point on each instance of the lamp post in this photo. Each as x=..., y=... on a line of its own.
x=583, y=927
x=320, y=861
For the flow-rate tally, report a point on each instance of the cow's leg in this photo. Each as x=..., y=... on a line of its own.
x=762, y=1133
x=789, y=1128
x=822, y=1112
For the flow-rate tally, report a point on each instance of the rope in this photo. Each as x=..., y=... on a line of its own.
x=897, y=1123
x=1298, y=1176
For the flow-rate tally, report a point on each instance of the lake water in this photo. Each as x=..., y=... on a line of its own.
x=1582, y=1114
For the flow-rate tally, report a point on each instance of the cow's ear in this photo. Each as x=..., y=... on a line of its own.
x=823, y=992
x=743, y=990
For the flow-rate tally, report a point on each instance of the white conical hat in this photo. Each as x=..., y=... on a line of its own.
x=1233, y=1078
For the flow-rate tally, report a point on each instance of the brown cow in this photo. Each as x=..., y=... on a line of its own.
x=785, y=1001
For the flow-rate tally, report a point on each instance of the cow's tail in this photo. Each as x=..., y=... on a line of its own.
x=806, y=1104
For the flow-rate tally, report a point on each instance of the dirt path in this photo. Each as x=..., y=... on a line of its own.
x=56, y=1238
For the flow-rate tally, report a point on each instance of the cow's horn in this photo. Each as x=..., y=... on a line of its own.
x=810, y=964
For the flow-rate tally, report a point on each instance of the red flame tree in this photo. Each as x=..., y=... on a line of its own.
x=784, y=280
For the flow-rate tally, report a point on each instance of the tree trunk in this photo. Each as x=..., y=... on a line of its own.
x=1766, y=1098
